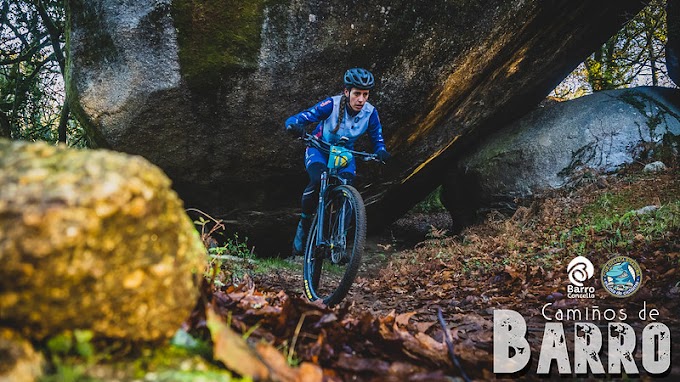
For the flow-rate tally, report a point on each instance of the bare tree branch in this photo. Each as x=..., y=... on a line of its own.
x=25, y=55
x=54, y=32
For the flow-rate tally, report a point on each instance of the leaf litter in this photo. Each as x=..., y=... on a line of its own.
x=387, y=329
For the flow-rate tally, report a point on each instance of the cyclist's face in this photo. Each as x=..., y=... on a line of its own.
x=357, y=98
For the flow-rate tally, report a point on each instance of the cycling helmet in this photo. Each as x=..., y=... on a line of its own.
x=359, y=78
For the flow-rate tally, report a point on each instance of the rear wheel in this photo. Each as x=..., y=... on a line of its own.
x=330, y=268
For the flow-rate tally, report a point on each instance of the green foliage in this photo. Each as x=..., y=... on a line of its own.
x=73, y=357
x=432, y=203
x=265, y=266
x=632, y=57
x=638, y=48
x=60, y=344
x=31, y=72
x=230, y=261
x=183, y=340
x=70, y=353
x=612, y=224
x=76, y=343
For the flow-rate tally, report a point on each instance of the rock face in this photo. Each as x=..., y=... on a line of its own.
x=546, y=148
x=93, y=240
x=202, y=88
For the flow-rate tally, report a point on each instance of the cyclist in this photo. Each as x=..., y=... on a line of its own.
x=346, y=115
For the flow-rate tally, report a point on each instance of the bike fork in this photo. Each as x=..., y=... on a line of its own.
x=320, y=209
x=343, y=211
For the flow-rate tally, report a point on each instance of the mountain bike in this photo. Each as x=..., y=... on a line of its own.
x=337, y=235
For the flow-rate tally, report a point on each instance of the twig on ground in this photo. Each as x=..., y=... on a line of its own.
x=291, y=350
x=219, y=224
x=449, y=344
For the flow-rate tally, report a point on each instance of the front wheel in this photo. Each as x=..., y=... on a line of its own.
x=331, y=266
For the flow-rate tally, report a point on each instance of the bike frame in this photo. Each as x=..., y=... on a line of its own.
x=331, y=172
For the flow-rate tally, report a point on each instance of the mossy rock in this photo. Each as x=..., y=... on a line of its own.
x=93, y=240
x=18, y=360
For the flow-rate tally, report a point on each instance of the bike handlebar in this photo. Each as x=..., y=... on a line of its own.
x=325, y=147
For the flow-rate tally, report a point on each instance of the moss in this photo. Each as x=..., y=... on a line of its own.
x=217, y=38
x=645, y=104
x=143, y=362
x=432, y=203
x=96, y=220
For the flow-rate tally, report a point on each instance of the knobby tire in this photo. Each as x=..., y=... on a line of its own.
x=316, y=258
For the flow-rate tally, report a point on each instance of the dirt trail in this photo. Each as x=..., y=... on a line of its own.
x=517, y=263
x=377, y=255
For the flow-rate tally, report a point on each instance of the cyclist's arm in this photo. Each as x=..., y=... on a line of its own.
x=375, y=131
x=316, y=113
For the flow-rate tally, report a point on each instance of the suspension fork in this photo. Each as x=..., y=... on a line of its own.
x=321, y=209
x=343, y=212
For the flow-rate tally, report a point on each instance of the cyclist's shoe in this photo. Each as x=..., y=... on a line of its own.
x=301, y=235
x=344, y=258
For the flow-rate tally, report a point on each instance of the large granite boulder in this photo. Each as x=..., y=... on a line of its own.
x=93, y=240
x=550, y=147
x=202, y=88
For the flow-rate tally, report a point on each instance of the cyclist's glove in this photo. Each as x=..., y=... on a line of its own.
x=383, y=155
x=296, y=129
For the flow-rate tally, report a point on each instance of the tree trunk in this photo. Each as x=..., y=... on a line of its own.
x=55, y=34
x=649, y=31
x=5, y=128
x=63, y=121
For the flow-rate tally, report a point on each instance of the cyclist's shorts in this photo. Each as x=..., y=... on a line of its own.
x=313, y=155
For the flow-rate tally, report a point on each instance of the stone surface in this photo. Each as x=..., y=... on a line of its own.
x=19, y=362
x=550, y=146
x=657, y=166
x=202, y=88
x=93, y=240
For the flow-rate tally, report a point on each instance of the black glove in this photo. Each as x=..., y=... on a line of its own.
x=296, y=130
x=383, y=155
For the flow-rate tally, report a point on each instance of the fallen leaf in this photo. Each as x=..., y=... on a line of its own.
x=262, y=363
x=230, y=348
x=403, y=318
x=424, y=326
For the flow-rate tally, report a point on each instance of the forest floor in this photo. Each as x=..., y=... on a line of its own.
x=387, y=328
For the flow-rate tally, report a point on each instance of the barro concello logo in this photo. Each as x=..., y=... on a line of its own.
x=621, y=276
x=580, y=269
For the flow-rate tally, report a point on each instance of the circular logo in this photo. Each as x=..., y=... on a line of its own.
x=621, y=276
x=580, y=269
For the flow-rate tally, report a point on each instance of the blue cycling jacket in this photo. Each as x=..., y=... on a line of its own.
x=353, y=126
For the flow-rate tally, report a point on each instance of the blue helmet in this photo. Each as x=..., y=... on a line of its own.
x=359, y=78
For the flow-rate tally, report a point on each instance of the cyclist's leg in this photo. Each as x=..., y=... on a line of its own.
x=348, y=173
x=315, y=164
